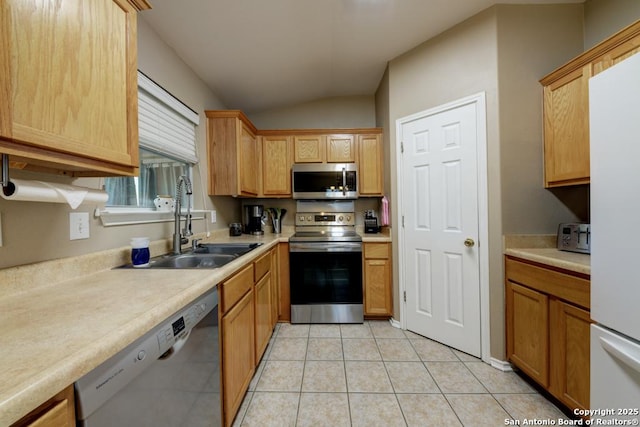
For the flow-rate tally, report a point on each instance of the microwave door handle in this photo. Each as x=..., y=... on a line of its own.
x=344, y=181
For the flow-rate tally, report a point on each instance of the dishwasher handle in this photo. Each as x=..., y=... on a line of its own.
x=631, y=360
x=175, y=348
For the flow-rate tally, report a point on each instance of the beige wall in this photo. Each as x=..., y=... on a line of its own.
x=456, y=64
x=40, y=231
x=602, y=18
x=336, y=112
x=503, y=52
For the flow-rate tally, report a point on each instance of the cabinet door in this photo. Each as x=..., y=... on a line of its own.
x=276, y=166
x=59, y=411
x=248, y=153
x=72, y=88
x=238, y=356
x=377, y=280
x=309, y=148
x=341, y=149
x=377, y=287
x=527, y=314
x=566, y=129
x=275, y=287
x=263, y=315
x=570, y=354
x=370, y=172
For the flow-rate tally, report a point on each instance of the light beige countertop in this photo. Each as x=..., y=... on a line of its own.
x=383, y=237
x=542, y=249
x=60, y=319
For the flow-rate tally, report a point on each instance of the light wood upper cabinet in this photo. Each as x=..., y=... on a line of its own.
x=277, y=157
x=69, y=85
x=370, y=169
x=566, y=108
x=309, y=148
x=233, y=154
x=341, y=149
x=566, y=129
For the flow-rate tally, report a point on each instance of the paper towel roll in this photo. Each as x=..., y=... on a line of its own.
x=41, y=191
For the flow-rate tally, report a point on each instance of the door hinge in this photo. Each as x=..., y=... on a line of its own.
x=402, y=221
x=405, y=296
x=402, y=146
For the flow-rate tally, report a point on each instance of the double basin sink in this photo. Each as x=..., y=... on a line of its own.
x=205, y=255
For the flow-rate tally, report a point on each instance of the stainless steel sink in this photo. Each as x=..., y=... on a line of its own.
x=206, y=255
x=226, y=248
x=191, y=260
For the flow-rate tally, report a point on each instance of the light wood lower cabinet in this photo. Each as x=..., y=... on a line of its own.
x=59, y=411
x=528, y=326
x=547, y=324
x=247, y=318
x=377, y=280
x=263, y=303
x=570, y=367
x=238, y=357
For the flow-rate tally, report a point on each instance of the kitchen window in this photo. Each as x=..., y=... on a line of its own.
x=167, y=130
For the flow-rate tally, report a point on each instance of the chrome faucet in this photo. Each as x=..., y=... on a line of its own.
x=180, y=238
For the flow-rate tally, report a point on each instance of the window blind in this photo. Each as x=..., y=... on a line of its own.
x=165, y=125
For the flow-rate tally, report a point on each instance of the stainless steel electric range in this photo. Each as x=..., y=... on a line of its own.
x=325, y=255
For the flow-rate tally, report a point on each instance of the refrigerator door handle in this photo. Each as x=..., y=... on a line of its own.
x=621, y=354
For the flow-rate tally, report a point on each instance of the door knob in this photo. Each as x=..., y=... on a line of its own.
x=468, y=242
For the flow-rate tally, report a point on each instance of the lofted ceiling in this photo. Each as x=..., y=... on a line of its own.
x=256, y=55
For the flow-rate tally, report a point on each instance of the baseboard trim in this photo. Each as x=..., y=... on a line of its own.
x=501, y=365
x=394, y=323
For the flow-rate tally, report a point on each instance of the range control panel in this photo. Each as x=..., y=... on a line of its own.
x=325, y=219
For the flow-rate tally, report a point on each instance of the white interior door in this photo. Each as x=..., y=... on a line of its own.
x=440, y=233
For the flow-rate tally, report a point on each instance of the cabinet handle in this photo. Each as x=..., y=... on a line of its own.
x=621, y=354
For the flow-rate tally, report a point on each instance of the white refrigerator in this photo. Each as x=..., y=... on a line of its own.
x=614, y=121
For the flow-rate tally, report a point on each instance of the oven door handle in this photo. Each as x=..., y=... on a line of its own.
x=325, y=247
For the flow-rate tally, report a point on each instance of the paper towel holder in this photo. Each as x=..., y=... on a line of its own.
x=5, y=171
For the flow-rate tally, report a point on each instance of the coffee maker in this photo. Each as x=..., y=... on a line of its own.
x=252, y=219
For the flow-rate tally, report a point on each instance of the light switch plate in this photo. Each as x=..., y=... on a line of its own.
x=213, y=216
x=78, y=225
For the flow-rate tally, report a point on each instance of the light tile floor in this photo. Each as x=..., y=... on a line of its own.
x=374, y=374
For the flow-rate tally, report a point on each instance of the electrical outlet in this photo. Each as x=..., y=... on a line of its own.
x=214, y=217
x=78, y=225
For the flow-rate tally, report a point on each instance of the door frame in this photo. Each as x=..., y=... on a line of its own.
x=479, y=100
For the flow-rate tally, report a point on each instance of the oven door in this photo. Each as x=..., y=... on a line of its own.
x=326, y=282
x=325, y=181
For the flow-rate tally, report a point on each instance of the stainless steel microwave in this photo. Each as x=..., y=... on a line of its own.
x=325, y=181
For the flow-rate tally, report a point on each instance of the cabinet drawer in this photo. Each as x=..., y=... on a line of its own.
x=234, y=288
x=570, y=288
x=376, y=250
x=262, y=265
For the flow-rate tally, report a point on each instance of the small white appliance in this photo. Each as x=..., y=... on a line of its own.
x=614, y=113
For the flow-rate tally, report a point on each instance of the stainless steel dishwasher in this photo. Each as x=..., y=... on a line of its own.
x=168, y=377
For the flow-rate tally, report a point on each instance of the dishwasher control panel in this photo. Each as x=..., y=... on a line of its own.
x=179, y=328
